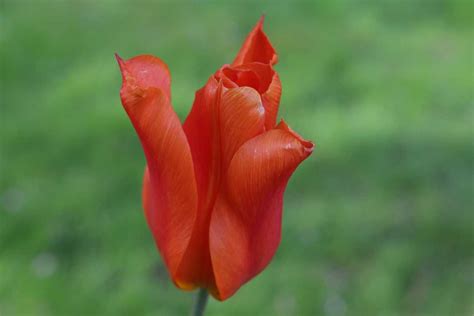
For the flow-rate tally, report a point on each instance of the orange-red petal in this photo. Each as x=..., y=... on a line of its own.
x=242, y=117
x=245, y=226
x=199, y=128
x=261, y=77
x=169, y=189
x=256, y=48
x=220, y=122
x=271, y=101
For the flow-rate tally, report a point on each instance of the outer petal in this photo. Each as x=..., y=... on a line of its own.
x=246, y=222
x=256, y=48
x=219, y=123
x=143, y=72
x=200, y=128
x=242, y=117
x=169, y=191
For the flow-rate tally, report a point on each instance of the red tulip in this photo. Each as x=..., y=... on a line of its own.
x=213, y=188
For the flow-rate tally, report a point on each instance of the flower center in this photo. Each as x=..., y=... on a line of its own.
x=255, y=75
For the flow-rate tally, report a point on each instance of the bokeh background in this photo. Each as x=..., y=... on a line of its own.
x=378, y=221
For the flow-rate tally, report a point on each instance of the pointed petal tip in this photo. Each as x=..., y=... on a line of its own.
x=143, y=72
x=307, y=144
x=261, y=21
x=256, y=47
x=119, y=59
x=121, y=64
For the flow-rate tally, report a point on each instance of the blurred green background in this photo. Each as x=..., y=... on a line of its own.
x=378, y=221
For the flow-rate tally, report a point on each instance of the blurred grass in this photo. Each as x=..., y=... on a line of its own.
x=378, y=221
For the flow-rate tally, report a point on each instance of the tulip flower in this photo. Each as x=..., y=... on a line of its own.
x=213, y=186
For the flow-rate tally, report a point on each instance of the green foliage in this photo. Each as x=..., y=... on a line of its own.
x=378, y=221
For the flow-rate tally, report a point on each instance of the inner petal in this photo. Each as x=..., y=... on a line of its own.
x=255, y=75
x=220, y=122
x=242, y=78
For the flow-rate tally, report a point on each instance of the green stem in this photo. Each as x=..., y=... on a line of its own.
x=200, y=303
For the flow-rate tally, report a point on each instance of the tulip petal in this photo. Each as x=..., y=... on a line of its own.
x=169, y=189
x=271, y=101
x=199, y=129
x=143, y=72
x=264, y=79
x=219, y=123
x=242, y=117
x=245, y=226
x=256, y=48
